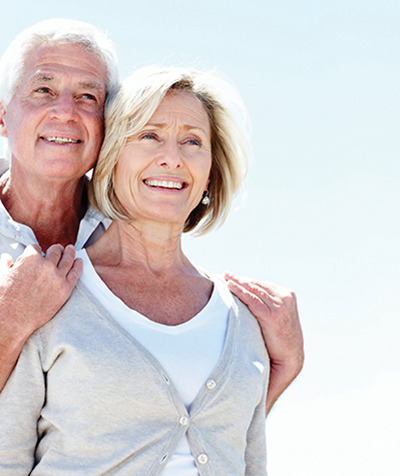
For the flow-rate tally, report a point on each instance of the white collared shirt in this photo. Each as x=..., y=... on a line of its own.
x=14, y=236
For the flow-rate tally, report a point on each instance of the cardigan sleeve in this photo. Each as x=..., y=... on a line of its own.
x=255, y=456
x=21, y=402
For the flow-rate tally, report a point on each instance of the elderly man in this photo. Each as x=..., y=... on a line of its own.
x=54, y=80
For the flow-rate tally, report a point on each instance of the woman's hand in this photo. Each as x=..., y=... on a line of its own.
x=276, y=310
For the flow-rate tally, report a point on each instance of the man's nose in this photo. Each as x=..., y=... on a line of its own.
x=64, y=108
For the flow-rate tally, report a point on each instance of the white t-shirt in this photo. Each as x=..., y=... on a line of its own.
x=188, y=352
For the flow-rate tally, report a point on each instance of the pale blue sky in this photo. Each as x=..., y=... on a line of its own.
x=320, y=81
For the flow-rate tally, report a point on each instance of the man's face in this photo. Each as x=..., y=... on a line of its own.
x=54, y=121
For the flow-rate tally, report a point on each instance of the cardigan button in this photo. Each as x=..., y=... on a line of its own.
x=184, y=421
x=211, y=384
x=202, y=459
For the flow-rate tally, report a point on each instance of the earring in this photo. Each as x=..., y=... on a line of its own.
x=206, y=199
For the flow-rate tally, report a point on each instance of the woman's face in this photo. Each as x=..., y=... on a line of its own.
x=164, y=169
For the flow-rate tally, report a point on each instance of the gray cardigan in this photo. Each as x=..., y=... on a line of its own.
x=87, y=399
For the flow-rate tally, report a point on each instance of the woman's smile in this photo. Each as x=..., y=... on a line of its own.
x=165, y=184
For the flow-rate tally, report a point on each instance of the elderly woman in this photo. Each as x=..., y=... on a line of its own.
x=152, y=367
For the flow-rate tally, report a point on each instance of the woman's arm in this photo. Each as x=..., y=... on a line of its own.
x=21, y=402
x=255, y=456
x=276, y=310
x=32, y=290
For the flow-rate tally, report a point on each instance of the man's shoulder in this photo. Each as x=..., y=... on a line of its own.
x=91, y=228
x=4, y=166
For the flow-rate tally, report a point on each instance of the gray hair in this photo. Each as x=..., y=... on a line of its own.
x=55, y=31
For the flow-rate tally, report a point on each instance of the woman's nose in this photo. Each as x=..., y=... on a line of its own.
x=170, y=156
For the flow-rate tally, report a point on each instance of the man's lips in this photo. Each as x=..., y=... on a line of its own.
x=169, y=184
x=60, y=140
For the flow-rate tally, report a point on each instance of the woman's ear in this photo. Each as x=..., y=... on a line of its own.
x=3, y=127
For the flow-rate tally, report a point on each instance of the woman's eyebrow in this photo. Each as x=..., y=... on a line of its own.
x=160, y=125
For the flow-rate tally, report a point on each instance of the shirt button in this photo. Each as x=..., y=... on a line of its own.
x=184, y=421
x=202, y=459
x=211, y=384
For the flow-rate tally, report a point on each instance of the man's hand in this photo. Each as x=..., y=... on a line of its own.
x=276, y=310
x=32, y=290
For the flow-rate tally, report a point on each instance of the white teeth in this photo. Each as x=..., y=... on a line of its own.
x=61, y=140
x=164, y=184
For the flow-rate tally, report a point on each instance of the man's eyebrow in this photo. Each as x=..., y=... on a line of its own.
x=39, y=78
x=46, y=78
x=91, y=85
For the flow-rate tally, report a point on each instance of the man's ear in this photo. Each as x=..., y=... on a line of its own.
x=3, y=127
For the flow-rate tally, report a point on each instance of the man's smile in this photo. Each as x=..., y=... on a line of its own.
x=61, y=140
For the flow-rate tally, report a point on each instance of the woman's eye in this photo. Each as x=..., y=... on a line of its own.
x=148, y=135
x=194, y=142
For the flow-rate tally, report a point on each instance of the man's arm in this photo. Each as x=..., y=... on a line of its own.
x=276, y=310
x=32, y=290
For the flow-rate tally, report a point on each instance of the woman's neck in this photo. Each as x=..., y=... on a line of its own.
x=149, y=272
x=153, y=246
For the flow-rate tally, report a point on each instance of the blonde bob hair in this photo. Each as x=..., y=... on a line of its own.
x=131, y=109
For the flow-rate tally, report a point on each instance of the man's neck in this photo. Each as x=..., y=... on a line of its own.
x=53, y=210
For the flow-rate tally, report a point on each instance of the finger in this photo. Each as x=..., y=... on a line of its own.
x=264, y=292
x=250, y=283
x=54, y=253
x=33, y=249
x=6, y=261
x=29, y=251
x=75, y=273
x=67, y=259
x=253, y=301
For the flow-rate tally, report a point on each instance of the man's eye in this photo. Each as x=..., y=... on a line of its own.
x=42, y=90
x=89, y=96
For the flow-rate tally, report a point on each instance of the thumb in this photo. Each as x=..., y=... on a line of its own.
x=6, y=262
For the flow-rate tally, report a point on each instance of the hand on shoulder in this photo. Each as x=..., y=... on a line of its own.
x=32, y=290
x=275, y=307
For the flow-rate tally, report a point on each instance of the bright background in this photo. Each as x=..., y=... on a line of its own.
x=321, y=83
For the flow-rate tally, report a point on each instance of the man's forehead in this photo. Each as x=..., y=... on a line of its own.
x=50, y=62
